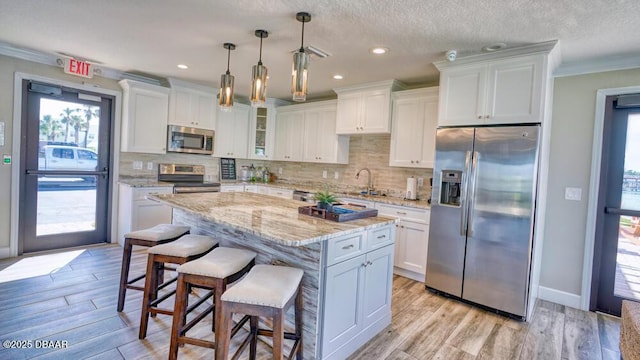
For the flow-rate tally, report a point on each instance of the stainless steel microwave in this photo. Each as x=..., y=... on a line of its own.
x=189, y=140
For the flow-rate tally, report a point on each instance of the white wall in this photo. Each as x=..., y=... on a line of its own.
x=570, y=165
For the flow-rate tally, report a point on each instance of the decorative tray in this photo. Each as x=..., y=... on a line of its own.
x=339, y=213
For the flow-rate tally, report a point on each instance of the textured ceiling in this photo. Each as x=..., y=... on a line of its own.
x=153, y=36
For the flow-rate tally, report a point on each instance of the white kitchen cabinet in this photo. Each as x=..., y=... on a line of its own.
x=289, y=132
x=136, y=212
x=365, y=203
x=502, y=91
x=144, y=117
x=262, y=133
x=251, y=188
x=413, y=134
x=280, y=192
x=358, y=292
x=192, y=105
x=307, y=133
x=232, y=132
x=365, y=109
x=231, y=187
x=412, y=239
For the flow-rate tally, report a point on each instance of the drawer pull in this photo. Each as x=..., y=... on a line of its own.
x=382, y=236
x=347, y=247
x=401, y=213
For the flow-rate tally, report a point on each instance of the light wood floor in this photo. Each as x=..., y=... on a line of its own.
x=74, y=300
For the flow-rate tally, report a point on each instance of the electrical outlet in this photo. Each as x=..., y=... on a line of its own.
x=137, y=165
x=324, y=174
x=336, y=175
x=420, y=182
x=149, y=165
x=279, y=171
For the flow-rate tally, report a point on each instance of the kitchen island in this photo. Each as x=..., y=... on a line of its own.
x=348, y=265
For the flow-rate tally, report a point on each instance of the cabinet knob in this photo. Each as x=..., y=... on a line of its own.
x=487, y=116
x=412, y=161
x=479, y=116
x=417, y=161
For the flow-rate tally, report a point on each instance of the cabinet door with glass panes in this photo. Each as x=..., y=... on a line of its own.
x=262, y=133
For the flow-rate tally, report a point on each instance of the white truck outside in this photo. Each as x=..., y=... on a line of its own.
x=59, y=157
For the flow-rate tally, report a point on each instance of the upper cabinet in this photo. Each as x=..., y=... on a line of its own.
x=413, y=134
x=192, y=105
x=307, y=133
x=365, y=109
x=144, y=117
x=504, y=87
x=262, y=133
x=232, y=130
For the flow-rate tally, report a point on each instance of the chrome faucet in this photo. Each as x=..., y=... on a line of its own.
x=369, y=187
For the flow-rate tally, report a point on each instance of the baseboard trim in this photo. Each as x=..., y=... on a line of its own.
x=409, y=274
x=559, y=297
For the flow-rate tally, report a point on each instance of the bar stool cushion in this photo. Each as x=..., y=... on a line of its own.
x=158, y=232
x=266, y=285
x=219, y=263
x=185, y=246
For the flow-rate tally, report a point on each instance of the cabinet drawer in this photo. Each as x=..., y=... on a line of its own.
x=283, y=193
x=345, y=247
x=379, y=237
x=403, y=212
x=141, y=193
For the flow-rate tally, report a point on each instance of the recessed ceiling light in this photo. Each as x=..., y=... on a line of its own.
x=494, y=47
x=182, y=66
x=337, y=77
x=379, y=50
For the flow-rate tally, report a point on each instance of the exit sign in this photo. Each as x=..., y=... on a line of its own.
x=78, y=67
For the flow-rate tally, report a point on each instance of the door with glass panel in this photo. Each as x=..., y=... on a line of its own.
x=616, y=271
x=64, y=193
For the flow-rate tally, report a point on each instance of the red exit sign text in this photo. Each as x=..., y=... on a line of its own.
x=78, y=67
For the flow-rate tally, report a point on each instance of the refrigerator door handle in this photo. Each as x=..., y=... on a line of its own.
x=465, y=185
x=472, y=192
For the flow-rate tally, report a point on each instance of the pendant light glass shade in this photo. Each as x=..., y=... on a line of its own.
x=226, y=84
x=259, y=76
x=300, y=67
x=299, y=76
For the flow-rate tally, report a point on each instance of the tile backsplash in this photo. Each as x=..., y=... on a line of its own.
x=370, y=151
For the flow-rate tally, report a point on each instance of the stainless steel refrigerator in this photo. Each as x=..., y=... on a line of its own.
x=482, y=214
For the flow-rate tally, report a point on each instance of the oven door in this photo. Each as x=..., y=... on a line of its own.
x=189, y=140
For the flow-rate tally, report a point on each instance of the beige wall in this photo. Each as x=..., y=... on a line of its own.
x=8, y=67
x=570, y=166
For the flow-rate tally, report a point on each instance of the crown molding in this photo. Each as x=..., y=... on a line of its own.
x=537, y=48
x=612, y=63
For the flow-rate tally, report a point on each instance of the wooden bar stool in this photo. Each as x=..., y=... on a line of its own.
x=186, y=248
x=159, y=234
x=267, y=291
x=214, y=271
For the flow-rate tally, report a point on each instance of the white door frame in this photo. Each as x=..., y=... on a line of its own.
x=15, y=151
x=594, y=185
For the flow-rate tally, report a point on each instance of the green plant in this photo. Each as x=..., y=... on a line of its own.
x=324, y=197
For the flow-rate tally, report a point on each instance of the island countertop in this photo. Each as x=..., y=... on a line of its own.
x=268, y=217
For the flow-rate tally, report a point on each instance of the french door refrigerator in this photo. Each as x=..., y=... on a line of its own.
x=482, y=214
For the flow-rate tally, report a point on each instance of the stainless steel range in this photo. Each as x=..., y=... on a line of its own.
x=186, y=178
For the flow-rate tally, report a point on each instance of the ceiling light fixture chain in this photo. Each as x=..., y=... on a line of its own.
x=300, y=64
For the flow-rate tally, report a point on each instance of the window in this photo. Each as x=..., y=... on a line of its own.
x=87, y=155
x=62, y=153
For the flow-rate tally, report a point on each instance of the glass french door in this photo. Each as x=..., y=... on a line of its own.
x=64, y=167
x=617, y=255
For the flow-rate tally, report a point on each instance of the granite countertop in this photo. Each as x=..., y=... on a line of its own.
x=144, y=182
x=266, y=216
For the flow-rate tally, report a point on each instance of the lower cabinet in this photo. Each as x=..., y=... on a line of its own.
x=231, y=188
x=357, y=294
x=136, y=212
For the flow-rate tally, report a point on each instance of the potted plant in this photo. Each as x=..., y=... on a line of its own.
x=325, y=199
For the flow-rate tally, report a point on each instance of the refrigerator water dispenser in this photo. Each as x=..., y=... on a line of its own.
x=450, y=187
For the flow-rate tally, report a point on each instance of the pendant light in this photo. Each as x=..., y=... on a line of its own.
x=300, y=65
x=226, y=83
x=259, y=76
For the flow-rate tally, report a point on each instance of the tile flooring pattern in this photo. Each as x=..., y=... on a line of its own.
x=76, y=303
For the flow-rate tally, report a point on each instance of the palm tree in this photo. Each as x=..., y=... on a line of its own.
x=66, y=119
x=89, y=113
x=77, y=122
x=49, y=127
